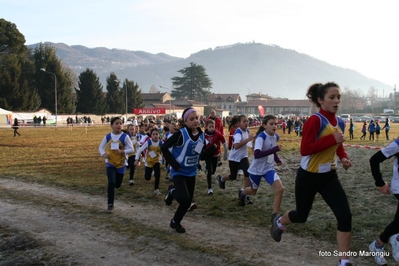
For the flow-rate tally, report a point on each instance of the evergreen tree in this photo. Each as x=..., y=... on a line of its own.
x=17, y=92
x=115, y=97
x=194, y=85
x=45, y=58
x=134, y=97
x=90, y=95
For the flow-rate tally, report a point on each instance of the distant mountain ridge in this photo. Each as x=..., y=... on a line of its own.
x=238, y=68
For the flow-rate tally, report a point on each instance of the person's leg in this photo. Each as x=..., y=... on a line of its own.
x=278, y=196
x=132, y=167
x=157, y=174
x=215, y=163
x=118, y=180
x=183, y=193
x=335, y=197
x=111, y=176
x=208, y=164
x=147, y=173
x=392, y=228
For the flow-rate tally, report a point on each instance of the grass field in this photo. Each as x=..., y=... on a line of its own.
x=68, y=158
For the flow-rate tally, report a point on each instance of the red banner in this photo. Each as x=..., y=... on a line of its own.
x=149, y=111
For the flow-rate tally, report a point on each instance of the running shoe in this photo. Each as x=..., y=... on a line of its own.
x=131, y=182
x=241, y=198
x=210, y=191
x=192, y=207
x=395, y=247
x=275, y=231
x=177, y=227
x=379, y=257
x=110, y=208
x=156, y=192
x=168, y=196
x=248, y=200
x=222, y=184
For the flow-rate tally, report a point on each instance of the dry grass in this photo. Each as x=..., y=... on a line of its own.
x=69, y=158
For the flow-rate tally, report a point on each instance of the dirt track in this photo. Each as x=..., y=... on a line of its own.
x=73, y=229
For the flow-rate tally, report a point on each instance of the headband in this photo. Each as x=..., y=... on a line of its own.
x=187, y=113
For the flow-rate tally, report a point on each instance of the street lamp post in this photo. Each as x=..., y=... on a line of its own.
x=170, y=101
x=394, y=99
x=55, y=92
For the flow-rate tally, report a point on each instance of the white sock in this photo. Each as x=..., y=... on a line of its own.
x=343, y=262
x=280, y=226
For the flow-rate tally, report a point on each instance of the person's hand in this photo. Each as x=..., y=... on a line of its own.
x=384, y=189
x=339, y=137
x=105, y=155
x=279, y=164
x=280, y=147
x=346, y=163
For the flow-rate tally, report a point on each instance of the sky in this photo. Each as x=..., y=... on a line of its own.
x=359, y=35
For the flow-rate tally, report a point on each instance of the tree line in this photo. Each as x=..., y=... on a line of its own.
x=24, y=86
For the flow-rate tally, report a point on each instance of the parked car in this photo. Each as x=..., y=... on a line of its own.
x=395, y=119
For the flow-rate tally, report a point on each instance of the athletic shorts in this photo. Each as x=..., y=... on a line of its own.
x=270, y=177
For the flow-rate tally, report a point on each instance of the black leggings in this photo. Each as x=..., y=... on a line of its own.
x=235, y=166
x=157, y=174
x=327, y=184
x=211, y=165
x=183, y=193
x=114, y=181
x=393, y=227
x=132, y=167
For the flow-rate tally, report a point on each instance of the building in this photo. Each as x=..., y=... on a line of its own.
x=224, y=102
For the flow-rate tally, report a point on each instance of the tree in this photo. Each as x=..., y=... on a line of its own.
x=17, y=92
x=134, y=99
x=45, y=58
x=194, y=85
x=114, y=96
x=90, y=95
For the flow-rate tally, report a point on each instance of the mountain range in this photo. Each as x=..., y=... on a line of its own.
x=239, y=68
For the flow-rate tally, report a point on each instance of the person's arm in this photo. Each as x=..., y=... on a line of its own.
x=170, y=142
x=309, y=144
x=241, y=142
x=140, y=150
x=128, y=145
x=101, y=148
x=375, y=161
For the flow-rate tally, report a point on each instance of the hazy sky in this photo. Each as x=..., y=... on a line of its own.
x=359, y=35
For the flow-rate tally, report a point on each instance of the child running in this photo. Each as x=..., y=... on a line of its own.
x=322, y=142
x=238, y=158
x=213, y=139
x=187, y=145
x=113, y=148
x=364, y=131
x=265, y=154
x=131, y=130
x=152, y=148
x=390, y=233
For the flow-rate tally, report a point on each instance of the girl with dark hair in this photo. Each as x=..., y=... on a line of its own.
x=114, y=148
x=184, y=158
x=238, y=157
x=322, y=142
x=387, y=127
x=390, y=233
x=262, y=166
x=152, y=153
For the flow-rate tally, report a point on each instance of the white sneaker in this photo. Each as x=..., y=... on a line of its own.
x=131, y=182
x=152, y=174
x=192, y=207
x=379, y=257
x=240, y=172
x=210, y=191
x=395, y=247
x=156, y=192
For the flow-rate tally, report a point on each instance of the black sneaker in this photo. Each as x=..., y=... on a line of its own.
x=248, y=200
x=177, y=227
x=222, y=184
x=220, y=164
x=275, y=232
x=168, y=196
x=110, y=208
x=241, y=198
